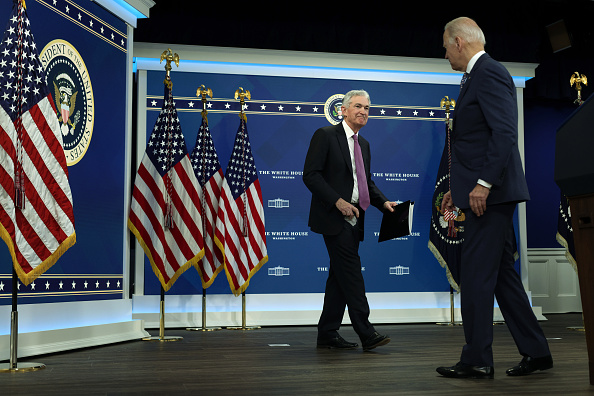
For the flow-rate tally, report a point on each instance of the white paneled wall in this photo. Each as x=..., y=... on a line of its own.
x=553, y=281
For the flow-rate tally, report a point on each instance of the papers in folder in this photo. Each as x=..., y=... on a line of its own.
x=398, y=223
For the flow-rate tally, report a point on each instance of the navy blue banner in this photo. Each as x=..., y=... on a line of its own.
x=82, y=49
x=406, y=133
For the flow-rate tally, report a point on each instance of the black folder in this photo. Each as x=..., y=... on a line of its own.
x=398, y=223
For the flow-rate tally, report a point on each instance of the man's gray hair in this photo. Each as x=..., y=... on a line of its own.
x=346, y=101
x=466, y=29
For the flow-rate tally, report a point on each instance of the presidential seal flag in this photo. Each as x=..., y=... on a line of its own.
x=446, y=232
x=209, y=173
x=36, y=212
x=239, y=230
x=165, y=214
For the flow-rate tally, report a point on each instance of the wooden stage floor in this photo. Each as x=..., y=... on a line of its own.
x=285, y=361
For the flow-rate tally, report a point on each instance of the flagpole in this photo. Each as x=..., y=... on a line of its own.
x=243, y=318
x=242, y=95
x=13, y=366
x=162, y=337
x=201, y=93
x=169, y=57
x=452, y=321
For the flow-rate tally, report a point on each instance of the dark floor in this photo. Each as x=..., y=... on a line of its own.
x=285, y=361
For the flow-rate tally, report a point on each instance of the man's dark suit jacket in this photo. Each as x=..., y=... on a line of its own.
x=485, y=136
x=328, y=174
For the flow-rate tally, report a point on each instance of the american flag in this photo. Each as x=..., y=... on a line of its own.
x=36, y=213
x=209, y=173
x=240, y=222
x=165, y=213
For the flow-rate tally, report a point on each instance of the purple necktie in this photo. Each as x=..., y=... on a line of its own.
x=361, y=178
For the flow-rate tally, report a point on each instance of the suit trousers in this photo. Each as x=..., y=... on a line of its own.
x=345, y=286
x=487, y=271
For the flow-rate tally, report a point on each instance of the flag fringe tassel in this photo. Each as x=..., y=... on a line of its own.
x=568, y=255
x=27, y=278
x=443, y=263
x=181, y=270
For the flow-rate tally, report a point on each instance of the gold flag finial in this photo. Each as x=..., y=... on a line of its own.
x=201, y=93
x=578, y=80
x=448, y=104
x=24, y=5
x=169, y=56
x=241, y=94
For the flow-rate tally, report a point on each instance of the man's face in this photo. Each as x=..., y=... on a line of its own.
x=357, y=113
x=453, y=53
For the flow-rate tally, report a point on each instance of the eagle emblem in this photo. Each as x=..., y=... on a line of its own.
x=65, y=102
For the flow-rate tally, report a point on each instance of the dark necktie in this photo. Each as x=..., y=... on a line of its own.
x=361, y=178
x=464, y=78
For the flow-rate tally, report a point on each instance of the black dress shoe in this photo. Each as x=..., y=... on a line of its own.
x=530, y=364
x=461, y=370
x=375, y=340
x=336, y=343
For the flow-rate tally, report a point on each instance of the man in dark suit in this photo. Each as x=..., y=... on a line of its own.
x=487, y=182
x=338, y=203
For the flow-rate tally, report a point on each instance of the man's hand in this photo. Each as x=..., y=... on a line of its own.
x=447, y=203
x=478, y=199
x=389, y=206
x=347, y=209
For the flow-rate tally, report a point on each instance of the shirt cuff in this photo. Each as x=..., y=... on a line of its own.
x=484, y=183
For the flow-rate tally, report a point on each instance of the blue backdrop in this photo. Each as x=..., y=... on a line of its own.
x=406, y=133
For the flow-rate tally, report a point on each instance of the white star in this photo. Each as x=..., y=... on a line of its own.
x=383, y=111
x=73, y=284
x=415, y=112
x=191, y=104
x=399, y=112
x=33, y=286
x=298, y=108
x=1, y=285
x=108, y=284
x=97, y=285
x=263, y=107
x=227, y=105
x=431, y=113
x=60, y=284
x=153, y=103
x=280, y=108
x=47, y=285
x=315, y=109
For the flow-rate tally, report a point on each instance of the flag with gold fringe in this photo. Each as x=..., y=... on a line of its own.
x=209, y=173
x=165, y=213
x=446, y=232
x=240, y=223
x=36, y=210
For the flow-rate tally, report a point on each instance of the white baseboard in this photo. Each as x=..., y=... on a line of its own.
x=51, y=341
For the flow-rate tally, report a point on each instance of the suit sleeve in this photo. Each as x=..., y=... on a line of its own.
x=497, y=99
x=315, y=164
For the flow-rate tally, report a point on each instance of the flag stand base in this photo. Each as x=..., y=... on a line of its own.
x=13, y=366
x=452, y=322
x=162, y=337
x=203, y=328
x=576, y=328
x=243, y=321
x=20, y=367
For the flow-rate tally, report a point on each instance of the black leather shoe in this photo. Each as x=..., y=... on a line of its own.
x=336, y=343
x=530, y=364
x=461, y=370
x=375, y=340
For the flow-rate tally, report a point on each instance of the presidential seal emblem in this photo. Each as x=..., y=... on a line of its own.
x=72, y=92
x=332, y=109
